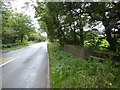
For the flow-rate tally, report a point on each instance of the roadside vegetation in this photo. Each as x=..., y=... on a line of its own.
x=87, y=53
x=68, y=71
x=17, y=30
x=10, y=47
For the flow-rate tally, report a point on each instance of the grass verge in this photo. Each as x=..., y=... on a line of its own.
x=67, y=71
x=4, y=50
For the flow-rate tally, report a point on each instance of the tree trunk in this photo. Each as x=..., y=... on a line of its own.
x=75, y=38
x=81, y=37
x=81, y=32
x=74, y=35
x=112, y=41
x=64, y=37
x=21, y=38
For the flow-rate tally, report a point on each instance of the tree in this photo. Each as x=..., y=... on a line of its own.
x=49, y=16
x=15, y=26
x=61, y=18
x=65, y=21
x=108, y=13
x=8, y=34
x=22, y=24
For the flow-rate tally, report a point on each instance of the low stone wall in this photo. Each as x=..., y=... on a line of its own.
x=87, y=52
x=77, y=51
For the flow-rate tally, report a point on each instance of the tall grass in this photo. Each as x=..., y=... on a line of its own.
x=67, y=71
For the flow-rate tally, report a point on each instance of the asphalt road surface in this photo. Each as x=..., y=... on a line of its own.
x=28, y=67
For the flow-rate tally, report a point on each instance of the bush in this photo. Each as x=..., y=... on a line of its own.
x=25, y=43
x=10, y=45
x=16, y=44
x=25, y=38
x=36, y=37
x=7, y=45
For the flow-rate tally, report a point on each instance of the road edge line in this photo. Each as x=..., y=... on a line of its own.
x=8, y=61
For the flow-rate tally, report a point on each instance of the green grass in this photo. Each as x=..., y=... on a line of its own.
x=67, y=71
x=16, y=47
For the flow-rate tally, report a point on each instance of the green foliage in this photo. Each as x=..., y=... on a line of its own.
x=97, y=44
x=33, y=37
x=43, y=27
x=14, y=46
x=6, y=45
x=52, y=13
x=118, y=46
x=53, y=47
x=65, y=21
x=8, y=35
x=72, y=72
x=15, y=27
x=42, y=38
x=25, y=38
x=36, y=37
x=104, y=45
x=94, y=41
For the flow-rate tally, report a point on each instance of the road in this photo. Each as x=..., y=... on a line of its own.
x=28, y=67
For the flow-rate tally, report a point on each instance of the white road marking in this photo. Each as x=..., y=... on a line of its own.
x=9, y=61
